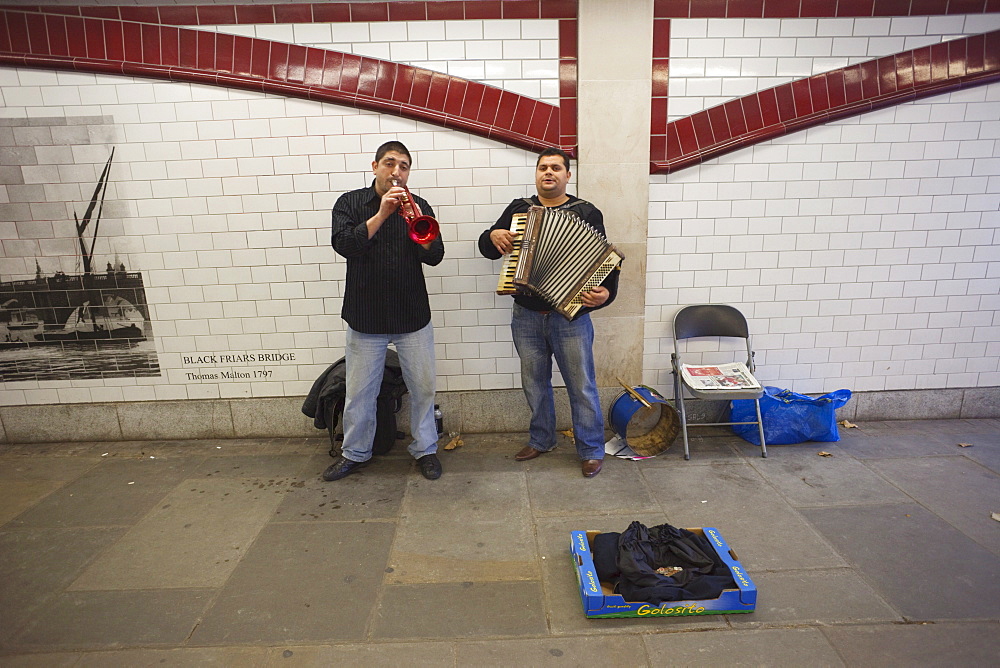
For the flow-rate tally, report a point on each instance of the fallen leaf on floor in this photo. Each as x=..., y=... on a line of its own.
x=455, y=442
x=848, y=425
x=824, y=453
x=965, y=445
x=995, y=516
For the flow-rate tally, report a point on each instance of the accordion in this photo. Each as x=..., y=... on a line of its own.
x=556, y=257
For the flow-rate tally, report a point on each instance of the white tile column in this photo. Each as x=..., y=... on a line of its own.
x=615, y=84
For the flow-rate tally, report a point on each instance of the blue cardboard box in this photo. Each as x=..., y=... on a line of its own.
x=600, y=601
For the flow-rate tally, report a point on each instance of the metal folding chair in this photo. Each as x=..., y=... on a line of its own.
x=712, y=320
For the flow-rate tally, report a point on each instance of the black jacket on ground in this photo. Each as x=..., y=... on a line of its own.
x=629, y=560
x=331, y=387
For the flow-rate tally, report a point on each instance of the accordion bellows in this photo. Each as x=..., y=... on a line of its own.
x=556, y=257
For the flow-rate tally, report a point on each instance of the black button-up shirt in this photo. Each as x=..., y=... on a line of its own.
x=385, y=291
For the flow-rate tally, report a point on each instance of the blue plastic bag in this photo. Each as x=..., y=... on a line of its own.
x=789, y=417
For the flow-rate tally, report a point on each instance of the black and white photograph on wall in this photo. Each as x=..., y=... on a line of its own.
x=70, y=318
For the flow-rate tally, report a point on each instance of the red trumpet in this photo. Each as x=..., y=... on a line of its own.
x=423, y=229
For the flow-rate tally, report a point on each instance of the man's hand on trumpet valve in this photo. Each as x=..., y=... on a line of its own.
x=391, y=200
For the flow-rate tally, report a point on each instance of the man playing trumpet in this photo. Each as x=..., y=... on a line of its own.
x=385, y=301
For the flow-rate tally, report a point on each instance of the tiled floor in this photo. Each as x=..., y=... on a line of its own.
x=237, y=553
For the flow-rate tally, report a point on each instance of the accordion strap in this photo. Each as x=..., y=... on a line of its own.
x=566, y=206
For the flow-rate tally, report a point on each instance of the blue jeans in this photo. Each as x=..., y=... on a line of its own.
x=365, y=366
x=538, y=337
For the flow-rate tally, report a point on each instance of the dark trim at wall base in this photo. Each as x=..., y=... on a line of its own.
x=500, y=411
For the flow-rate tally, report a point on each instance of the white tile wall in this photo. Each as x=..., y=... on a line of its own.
x=229, y=225
x=864, y=252
x=881, y=275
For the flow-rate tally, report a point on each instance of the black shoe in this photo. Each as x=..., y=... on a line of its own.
x=342, y=467
x=430, y=466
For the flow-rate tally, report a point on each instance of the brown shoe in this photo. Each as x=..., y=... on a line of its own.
x=526, y=453
x=592, y=467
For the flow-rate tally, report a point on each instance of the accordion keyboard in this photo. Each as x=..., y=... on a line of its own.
x=506, y=286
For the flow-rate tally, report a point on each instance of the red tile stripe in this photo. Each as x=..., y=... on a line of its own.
x=849, y=91
x=787, y=9
x=89, y=42
x=438, y=10
x=326, y=12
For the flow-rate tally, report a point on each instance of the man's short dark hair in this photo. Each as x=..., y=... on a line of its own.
x=555, y=151
x=392, y=146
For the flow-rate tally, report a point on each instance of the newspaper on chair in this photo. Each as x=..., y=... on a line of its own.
x=733, y=376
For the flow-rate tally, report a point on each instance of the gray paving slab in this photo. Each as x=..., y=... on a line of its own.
x=451, y=549
x=479, y=560
x=897, y=548
x=771, y=647
x=896, y=443
x=101, y=619
x=557, y=486
x=301, y=582
x=426, y=654
x=195, y=537
x=945, y=428
x=375, y=492
x=804, y=478
x=300, y=446
x=37, y=564
x=471, y=458
x=827, y=596
x=703, y=449
x=16, y=496
x=986, y=454
x=482, y=497
x=245, y=657
x=460, y=610
x=929, y=645
x=956, y=489
x=116, y=492
x=253, y=466
x=30, y=468
x=190, y=447
x=597, y=650
x=41, y=660
x=751, y=515
x=74, y=449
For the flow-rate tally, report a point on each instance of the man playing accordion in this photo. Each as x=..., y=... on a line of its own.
x=540, y=333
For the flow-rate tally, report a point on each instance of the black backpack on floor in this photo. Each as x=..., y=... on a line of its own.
x=325, y=403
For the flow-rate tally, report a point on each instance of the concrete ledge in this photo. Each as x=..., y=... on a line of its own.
x=483, y=411
x=61, y=422
x=908, y=404
x=270, y=417
x=981, y=402
x=170, y=420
